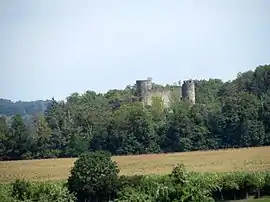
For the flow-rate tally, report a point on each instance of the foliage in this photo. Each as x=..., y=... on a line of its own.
x=179, y=185
x=231, y=114
x=9, y=108
x=94, y=176
x=6, y=193
x=182, y=185
x=21, y=190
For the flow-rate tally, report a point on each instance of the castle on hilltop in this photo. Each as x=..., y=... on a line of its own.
x=145, y=92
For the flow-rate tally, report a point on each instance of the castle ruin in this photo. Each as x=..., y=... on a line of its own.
x=145, y=92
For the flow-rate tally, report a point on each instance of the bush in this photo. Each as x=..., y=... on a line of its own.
x=180, y=185
x=98, y=176
x=56, y=191
x=5, y=193
x=133, y=181
x=22, y=190
x=94, y=177
x=129, y=194
x=189, y=187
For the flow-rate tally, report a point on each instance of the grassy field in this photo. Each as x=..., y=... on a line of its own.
x=207, y=161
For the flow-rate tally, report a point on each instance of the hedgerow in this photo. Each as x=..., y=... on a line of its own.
x=179, y=185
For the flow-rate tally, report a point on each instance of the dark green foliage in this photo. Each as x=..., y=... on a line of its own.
x=232, y=114
x=93, y=177
x=266, y=185
x=46, y=192
x=19, y=142
x=133, y=181
x=21, y=190
x=4, y=133
x=180, y=185
x=179, y=174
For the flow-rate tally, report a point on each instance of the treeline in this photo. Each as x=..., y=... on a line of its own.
x=9, y=108
x=231, y=114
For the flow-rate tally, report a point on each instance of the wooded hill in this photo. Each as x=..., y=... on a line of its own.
x=230, y=114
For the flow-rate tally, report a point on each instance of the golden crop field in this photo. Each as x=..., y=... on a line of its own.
x=202, y=161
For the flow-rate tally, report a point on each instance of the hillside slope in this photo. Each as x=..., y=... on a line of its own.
x=9, y=108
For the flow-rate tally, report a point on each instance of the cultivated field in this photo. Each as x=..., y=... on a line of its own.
x=208, y=161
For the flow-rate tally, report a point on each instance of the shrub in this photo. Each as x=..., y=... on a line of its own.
x=180, y=185
x=188, y=186
x=129, y=194
x=98, y=176
x=93, y=177
x=5, y=193
x=21, y=190
x=56, y=191
x=133, y=181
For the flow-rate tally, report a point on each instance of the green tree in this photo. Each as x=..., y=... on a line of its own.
x=43, y=145
x=178, y=128
x=231, y=114
x=93, y=177
x=4, y=135
x=19, y=142
x=240, y=121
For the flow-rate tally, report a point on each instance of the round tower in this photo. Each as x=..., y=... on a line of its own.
x=188, y=91
x=143, y=87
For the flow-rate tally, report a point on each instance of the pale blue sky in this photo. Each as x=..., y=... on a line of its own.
x=57, y=47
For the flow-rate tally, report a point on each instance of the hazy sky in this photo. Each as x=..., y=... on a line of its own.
x=57, y=47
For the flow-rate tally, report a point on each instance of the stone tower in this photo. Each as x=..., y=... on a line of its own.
x=143, y=88
x=188, y=91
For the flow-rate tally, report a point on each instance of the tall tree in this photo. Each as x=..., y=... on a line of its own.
x=4, y=135
x=43, y=145
x=19, y=143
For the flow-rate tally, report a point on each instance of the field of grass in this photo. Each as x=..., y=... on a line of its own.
x=207, y=161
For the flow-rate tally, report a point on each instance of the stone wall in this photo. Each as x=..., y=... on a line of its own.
x=145, y=93
x=165, y=95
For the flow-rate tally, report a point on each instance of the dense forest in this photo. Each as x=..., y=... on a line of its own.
x=226, y=114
